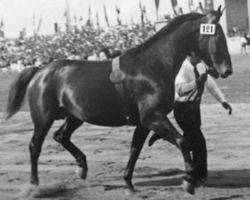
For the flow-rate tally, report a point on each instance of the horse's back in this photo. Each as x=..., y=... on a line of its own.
x=81, y=88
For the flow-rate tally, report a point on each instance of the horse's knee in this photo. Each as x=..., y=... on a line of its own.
x=34, y=149
x=147, y=119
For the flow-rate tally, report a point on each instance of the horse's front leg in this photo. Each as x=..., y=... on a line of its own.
x=139, y=138
x=159, y=123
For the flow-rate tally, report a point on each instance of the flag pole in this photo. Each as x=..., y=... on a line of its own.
x=68, y=14
x=248, y=9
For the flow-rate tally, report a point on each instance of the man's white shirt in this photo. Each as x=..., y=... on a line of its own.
x=185, y=83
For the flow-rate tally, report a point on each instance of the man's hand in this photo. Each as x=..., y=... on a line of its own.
x=201, y=80
x=227, y=107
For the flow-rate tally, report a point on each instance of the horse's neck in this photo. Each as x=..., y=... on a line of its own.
x=174, y=48
x=168, y=53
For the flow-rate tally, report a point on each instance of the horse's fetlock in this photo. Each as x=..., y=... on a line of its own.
x=82, y=162
x=128, y=180
x=34, y=181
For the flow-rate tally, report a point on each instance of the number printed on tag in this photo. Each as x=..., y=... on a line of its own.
x=207, y=29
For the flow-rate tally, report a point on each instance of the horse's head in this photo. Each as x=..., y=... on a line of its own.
x=212, y=46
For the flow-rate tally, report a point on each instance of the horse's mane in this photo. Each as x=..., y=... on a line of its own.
x=169, y=28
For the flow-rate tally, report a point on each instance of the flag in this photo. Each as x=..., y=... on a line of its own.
x=142, y=13
x=190, y=5
x=81, y=22
x=65, y=18
x=118, y=15
x=89, y=22
x=174, y=5
x=105, y=13
x=2, y=28
x=140, y=6
x=132, y=20
x=89, y=14
x=97, y=19
x=56, y=27
x=2, y=25
x=145, y=13
x=68, y=19
x=201, y=7
x=39, y=24
x=34, y=23
x=157, y=2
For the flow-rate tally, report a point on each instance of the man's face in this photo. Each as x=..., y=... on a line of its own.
x=102, y=56
x=194, y=58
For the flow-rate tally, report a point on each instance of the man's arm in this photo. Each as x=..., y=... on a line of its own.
x=217, y=94
x=183, y=86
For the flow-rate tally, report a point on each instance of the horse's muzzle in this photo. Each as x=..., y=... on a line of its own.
x=227, y=73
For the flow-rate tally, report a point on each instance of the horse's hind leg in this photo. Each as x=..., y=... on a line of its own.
x=162, y=126
x=139, y=138
x=63, y=137
x=35, y=146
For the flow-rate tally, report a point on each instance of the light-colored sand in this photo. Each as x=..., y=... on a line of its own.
x=158, y=171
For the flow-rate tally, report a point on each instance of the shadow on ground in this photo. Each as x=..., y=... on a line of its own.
x=216, y=179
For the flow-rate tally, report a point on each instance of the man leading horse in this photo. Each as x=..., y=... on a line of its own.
x=189, y=86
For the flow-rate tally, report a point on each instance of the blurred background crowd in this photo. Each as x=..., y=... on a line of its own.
x=85, y=44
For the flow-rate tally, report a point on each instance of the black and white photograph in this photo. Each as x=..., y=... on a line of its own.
x=124, y=99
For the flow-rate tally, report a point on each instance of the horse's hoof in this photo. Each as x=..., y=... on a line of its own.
x=188, y=187
x=130, y=191
x=34, y=182
x=81, y=172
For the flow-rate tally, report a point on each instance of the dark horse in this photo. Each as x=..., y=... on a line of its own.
x=81, y=91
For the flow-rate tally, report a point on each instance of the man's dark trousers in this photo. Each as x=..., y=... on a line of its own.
x=188, y=117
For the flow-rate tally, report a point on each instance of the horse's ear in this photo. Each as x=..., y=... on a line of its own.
x=218, y=14
x=223, y=10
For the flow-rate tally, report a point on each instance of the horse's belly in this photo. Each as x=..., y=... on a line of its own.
x=108, y=120
x=98, y=111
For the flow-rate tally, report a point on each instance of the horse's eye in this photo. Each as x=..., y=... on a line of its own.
x=218, y=58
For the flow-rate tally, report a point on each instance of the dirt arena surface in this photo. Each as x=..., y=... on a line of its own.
x=159, y=170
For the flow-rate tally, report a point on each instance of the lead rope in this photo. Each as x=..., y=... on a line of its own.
x=199, y=89
x=197, y=98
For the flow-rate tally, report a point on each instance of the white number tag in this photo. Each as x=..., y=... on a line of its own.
x=207, y=29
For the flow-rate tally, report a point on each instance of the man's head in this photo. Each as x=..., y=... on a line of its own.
x=194, y=58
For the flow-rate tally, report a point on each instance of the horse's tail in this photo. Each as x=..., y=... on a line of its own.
x=18, y=90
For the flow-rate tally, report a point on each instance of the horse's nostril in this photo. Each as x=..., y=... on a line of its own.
x=228, y=72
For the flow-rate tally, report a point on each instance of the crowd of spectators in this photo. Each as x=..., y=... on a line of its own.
x=72, y=44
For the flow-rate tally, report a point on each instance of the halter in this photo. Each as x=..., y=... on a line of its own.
x=210, y=31
x=199, y=93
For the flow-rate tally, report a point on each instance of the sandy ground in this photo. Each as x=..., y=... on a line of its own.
x=158, y=171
